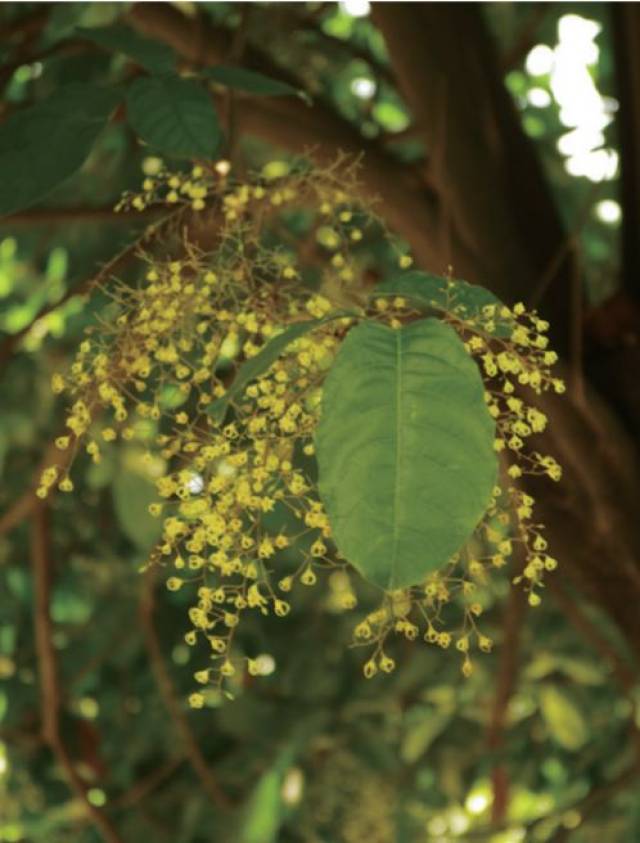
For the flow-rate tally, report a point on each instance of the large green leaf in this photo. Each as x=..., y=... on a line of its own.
x=174, y=115
x=464, y=300
x=153, y=55
x=252, y=82
x=266, y=357
x=41, y=146
x=405, y=449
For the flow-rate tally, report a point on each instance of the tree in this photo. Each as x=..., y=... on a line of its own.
x=453, y=112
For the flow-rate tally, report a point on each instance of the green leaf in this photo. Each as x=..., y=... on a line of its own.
x=174, y=115
x=423, y=725
x=405, y=449
x=464, y=300
x=41, y=146
x=564, y=720
x=152, y=55
x=252, y=82
x=264, y=813
x=266, y=357
x=132, y=494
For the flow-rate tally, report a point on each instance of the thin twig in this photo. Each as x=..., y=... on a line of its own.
x=143, y=788
x=50, y=694
x=576, y=329
x=235, y=57
x=565, y=248
x=170, y=696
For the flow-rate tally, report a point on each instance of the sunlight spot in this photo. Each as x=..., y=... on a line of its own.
x=292, y=786
x=599, y=165
x=609, y=211
x=356, y=8
x=539, y=60
x=539, y=98
x=363, y=87
x=478, y=801
x=582, y=139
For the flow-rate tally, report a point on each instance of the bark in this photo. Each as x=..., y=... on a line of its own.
x=487, y=173
x=626, y=32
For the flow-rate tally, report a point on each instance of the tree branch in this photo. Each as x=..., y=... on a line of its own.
x=50, y=693
x=506, y=681
x=56, y=216
x=409, y=208
x=170, y=697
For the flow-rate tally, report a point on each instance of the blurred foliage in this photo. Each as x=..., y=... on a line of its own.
x=311, y=753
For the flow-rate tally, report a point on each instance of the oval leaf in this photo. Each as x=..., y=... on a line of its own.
x=252, y=83
x=464, y=300
x=174, y=115
x=120, y=38
x=41, y=146
x=405, y=450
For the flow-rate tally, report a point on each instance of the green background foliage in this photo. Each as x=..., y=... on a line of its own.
x=311, y=752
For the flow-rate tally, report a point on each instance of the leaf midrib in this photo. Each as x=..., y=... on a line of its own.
x=398, y=452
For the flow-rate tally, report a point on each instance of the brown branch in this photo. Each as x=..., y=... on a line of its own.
x=514, y=617
x=565, y=249
x=145, y=786
x=287, y=123
x=170, y=697
x=56, y=216
x=50, y=693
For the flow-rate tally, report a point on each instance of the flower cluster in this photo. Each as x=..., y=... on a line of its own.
x=243, y=526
